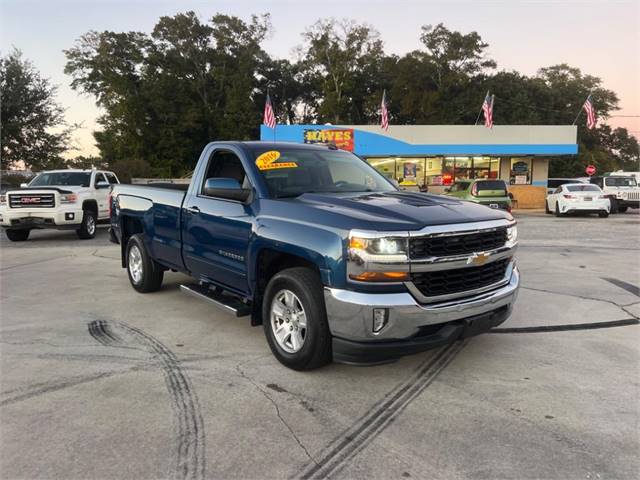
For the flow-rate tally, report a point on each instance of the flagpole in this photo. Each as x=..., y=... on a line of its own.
x=478, y=117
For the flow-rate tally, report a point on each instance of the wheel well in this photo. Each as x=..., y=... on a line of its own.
x=269, y=263
x=91, y=205
x=130, y=226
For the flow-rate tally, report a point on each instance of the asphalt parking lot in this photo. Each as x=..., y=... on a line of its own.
x=98, y=381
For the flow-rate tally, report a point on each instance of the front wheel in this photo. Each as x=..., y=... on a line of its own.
x=614, y=206
x=603, y=214
x=295, y=319
x=87, y=228
x=17, y=235
x=144, y=273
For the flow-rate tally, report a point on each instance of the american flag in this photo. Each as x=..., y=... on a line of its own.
x=384, y=113
x=591, y=114
x=269, y=117
x=487, y=108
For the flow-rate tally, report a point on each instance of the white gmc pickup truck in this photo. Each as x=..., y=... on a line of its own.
x=57, y=199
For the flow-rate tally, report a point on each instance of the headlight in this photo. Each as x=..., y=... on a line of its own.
x=3, y=198
x=374, y=257
x=512, y=235
x=68, y=198
x=379, y=246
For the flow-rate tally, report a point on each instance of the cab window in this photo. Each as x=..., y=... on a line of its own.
x=111, y=178
x=225, y=164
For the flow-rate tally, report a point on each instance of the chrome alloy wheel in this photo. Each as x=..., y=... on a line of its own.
x=135, y=264
x=288, y=321
x=91, y=225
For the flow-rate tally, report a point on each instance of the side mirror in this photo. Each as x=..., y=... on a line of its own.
x=227, y=188
x=24, y=185
x=100, y=185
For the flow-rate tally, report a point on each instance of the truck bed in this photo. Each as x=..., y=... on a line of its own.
x=157, y=207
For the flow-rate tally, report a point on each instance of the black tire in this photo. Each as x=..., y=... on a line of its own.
x=151, y=274
x=316, y=348
x=614, y=205
x=17, y=235
x=622, y=209
x=603, y=214
x=546, y=208
x=87, y=228
x=558, y=214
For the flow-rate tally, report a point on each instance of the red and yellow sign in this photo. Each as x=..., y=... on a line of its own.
x=341, y=138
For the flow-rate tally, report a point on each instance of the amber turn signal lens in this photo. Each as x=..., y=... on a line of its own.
x=381, y=277
x=357, y=243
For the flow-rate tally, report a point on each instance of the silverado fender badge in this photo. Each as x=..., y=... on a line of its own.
x=478, y=259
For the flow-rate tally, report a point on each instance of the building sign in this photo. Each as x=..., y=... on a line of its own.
x=520, y=167
x=341, y=138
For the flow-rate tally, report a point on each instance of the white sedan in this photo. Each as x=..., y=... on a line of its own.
x=578, y=197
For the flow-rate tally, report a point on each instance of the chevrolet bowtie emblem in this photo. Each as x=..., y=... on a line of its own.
x=478, y=259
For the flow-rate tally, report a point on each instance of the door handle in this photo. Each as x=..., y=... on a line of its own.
x=194, y=210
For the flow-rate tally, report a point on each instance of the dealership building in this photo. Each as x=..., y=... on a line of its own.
x=437, y=155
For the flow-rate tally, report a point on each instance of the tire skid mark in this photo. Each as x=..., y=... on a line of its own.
x=190, y=447
x=567, y=327
x=348, y=444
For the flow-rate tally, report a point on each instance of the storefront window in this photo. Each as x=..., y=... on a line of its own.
x=386, y=166
x=520, y=171
x=485, y=167
x=436, y=171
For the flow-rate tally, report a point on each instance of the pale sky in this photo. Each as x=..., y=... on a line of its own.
x=602, y=38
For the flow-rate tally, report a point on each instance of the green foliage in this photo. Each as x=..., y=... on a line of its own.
x=168, y=93
x=33, y=134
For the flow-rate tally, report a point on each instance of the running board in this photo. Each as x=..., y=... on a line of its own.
x=227, y=303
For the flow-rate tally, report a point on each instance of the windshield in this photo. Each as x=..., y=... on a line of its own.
x=583, y=188
x=289, y=173
x=620, y=182
x=80, y=179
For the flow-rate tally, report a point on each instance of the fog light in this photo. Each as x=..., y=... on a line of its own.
x=380, y=319
x=69, y=216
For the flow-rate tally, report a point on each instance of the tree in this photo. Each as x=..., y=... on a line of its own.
x=341, y=61
x=34, y=133
x=167, y=94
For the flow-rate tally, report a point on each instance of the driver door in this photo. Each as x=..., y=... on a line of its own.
x=102, y=195
x=217, y=230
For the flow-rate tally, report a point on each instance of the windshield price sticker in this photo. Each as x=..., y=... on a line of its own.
x=267, y=161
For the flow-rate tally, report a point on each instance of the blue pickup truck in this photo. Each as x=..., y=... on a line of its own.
x=327, y=254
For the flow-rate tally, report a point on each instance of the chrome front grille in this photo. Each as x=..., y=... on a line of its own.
x=32, y=200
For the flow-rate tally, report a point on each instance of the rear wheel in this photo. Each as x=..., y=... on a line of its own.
x=622, y=209
x=144, y=273
x=17, y=235
x=87, y=228
x=558, y=214
x=295, y=319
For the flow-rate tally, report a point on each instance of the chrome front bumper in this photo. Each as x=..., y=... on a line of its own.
x=350, y=314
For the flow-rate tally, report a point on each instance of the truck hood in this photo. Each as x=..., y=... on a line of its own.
x=62, y=189
x=389, y=211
